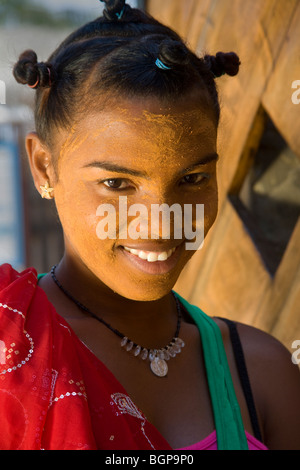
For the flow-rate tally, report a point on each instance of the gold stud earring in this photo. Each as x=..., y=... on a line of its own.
x=46, y=190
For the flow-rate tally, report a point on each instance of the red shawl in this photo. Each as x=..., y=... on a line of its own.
x=54, y=393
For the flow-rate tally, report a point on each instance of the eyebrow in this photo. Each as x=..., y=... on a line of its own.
x=109, y=166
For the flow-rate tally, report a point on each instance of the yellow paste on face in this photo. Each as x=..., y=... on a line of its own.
x=152, y=139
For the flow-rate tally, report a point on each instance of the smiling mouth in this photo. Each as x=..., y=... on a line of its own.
x=151, y=256
x=153, y=262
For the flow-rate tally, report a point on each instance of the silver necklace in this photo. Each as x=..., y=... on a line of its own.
x=158, y=357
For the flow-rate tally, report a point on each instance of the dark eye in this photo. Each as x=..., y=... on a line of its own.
x=195, y=178
x=114, y=183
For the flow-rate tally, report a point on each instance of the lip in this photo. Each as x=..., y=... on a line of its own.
x=157, y=267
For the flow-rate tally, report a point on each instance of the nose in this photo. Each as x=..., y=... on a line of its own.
x=155, y=221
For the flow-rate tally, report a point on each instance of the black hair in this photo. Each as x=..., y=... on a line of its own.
x=115, y=56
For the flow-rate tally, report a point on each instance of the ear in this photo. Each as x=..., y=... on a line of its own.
x=40, y=162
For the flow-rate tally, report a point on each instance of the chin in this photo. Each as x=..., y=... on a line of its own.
x=146, y=291
x=141, y=280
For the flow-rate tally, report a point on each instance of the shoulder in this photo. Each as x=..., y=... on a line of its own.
x=260, y=348
x=268, y=361
x=275, y=382
x=8, y=275
x=265, y=353
x=16, y=289
x=24, y=309
x=260, y=344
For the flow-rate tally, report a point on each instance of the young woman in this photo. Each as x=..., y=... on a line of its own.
x=100, y=353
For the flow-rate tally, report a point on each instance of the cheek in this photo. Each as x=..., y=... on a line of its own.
x=210, y=209
x=209, y=199
x=210, y=215
x=77, y=211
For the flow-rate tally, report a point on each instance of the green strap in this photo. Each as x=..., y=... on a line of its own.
x=228, y=421
x=41, y=275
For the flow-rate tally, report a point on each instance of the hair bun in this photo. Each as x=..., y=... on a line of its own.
x=173, y=53
x=114, y=9
x=29, y=71
x=223, y=63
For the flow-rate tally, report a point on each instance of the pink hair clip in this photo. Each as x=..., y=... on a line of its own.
x=33, y=86
x=49, y=71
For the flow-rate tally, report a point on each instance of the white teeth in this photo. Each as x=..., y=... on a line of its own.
x=162, y=256
x=142, y=255
x=152, y=255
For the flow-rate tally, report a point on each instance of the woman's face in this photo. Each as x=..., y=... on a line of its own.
x=143, y=153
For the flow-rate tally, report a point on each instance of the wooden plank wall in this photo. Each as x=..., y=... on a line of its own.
x=227, y=277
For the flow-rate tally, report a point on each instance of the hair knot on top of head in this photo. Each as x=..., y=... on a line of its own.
x=172, y=53
x=115, y=9
x=223, y=63
x=31, y=72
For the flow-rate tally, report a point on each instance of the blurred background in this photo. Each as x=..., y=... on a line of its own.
x=249, y=268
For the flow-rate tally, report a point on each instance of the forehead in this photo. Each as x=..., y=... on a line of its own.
x=141, y=128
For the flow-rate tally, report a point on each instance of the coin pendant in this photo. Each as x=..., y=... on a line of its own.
x=159, y=367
